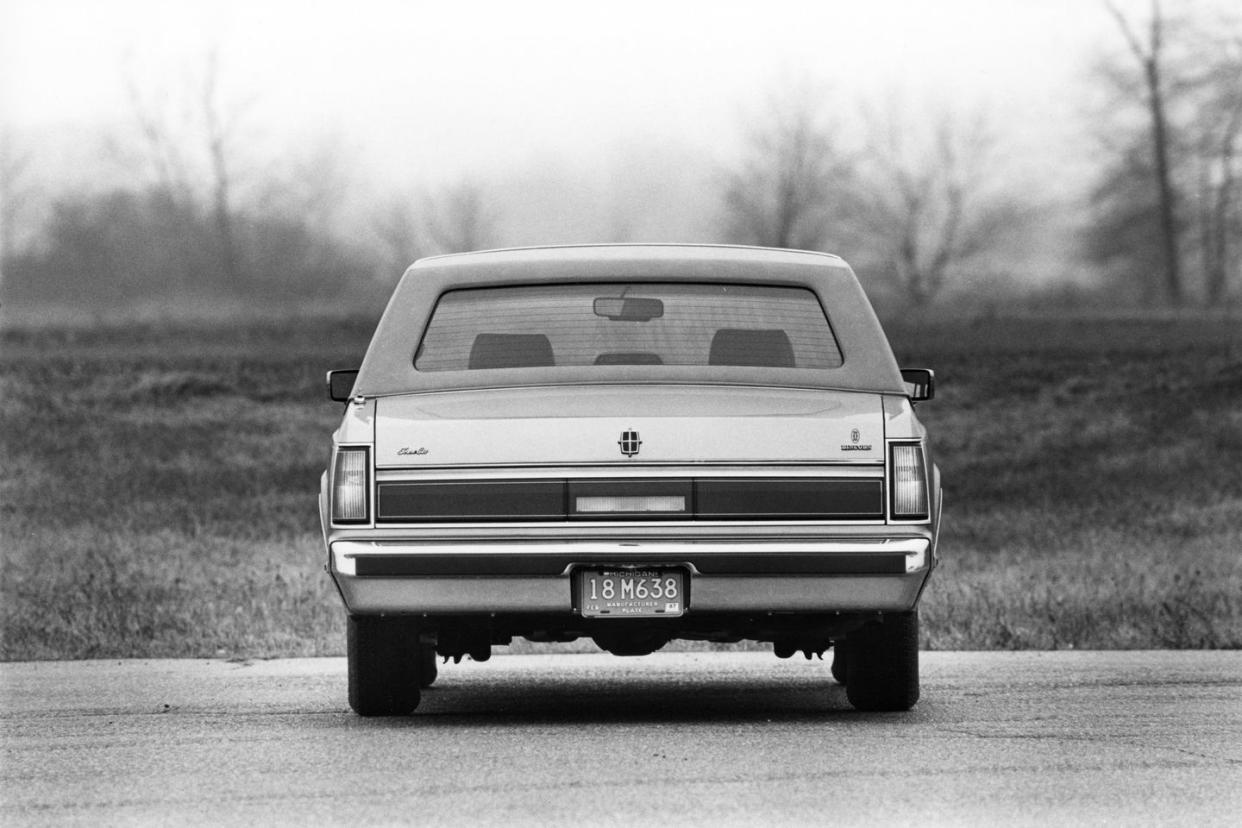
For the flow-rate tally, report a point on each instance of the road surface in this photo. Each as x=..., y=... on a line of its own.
x=678, y=738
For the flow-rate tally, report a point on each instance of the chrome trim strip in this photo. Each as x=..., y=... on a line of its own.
x=429, y=473
x=672, y=525
x=916, y=549
x=623, y=467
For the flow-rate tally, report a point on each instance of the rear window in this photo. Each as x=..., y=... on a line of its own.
x=627, y=324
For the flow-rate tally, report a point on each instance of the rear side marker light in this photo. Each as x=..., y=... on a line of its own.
x=909, y=482
x=350, y=486
x=915, y=561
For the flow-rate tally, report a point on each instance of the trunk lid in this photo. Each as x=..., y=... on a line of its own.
x=571, y=425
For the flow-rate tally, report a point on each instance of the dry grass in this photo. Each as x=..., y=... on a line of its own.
x=158, y=484
x=1093, y=476
x=157, y=491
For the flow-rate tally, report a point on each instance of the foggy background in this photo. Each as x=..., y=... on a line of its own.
x=981, y=155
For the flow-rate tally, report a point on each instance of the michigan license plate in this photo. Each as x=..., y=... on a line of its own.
x=632, y=593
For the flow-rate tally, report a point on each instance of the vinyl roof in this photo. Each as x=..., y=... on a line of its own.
x=868, y=361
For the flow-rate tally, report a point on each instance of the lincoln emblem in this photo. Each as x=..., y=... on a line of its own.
x=629, y=443
x=855, y=436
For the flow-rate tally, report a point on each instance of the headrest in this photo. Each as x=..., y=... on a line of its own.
x=497, y=350
x=769, y=348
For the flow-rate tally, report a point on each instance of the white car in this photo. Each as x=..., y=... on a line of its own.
x=632, y=444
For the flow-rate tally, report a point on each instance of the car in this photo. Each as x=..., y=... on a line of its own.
x=632, y=444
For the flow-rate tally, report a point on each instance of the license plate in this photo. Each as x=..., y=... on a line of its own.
x=632, y=593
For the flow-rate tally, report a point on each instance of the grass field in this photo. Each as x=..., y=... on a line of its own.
x=158, y=484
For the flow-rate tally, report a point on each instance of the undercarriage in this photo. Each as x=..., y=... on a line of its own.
x=457, y=636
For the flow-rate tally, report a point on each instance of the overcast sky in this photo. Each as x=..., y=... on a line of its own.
x=430, y=89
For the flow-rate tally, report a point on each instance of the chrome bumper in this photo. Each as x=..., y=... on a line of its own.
x=757, y=578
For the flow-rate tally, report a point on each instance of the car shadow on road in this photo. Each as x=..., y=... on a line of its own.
x=636, y=701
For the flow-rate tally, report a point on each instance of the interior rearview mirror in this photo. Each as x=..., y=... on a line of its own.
x=629, y=308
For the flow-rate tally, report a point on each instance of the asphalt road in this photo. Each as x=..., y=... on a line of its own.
x=723, y=738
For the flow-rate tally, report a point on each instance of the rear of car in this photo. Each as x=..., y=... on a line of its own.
x=632, y=444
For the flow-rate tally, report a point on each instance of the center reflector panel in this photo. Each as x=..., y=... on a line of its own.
x=630, y=498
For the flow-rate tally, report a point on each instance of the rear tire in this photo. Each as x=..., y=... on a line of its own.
x=384, y=665
x=840, y=663
x=883, y=663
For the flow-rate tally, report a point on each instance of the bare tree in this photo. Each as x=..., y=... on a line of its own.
x=1149, y=52
x=923, y=208
x=396, y=224
x=163, y=149
x=15, y=191
x=1217, y=136
x=217, y=130
x=459, y=219
x=455, y=219
x=189, y=138
x=1186, y=198
x=313, y=185
x=788, y=185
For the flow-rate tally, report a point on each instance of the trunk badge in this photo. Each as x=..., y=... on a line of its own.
x=629, y=443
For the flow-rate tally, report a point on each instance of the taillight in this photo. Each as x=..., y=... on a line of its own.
x=350, y=489
x=908, y=481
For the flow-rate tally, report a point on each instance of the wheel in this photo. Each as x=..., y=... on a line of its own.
x=883, y=659
x=384, y=665
x=428, y=669
x=840, y=666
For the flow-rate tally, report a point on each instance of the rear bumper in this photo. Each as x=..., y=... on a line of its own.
x=846, y=575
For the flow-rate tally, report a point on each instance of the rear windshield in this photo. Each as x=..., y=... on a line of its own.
x=627, y=324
